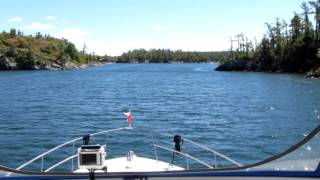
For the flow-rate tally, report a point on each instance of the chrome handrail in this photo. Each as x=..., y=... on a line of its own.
x=61, y=162
x=184, y=154
x=213, y=151
x=64, y=144
x=47, y=152
x=41, y=156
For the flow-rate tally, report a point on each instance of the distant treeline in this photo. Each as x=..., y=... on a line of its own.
x=169, y=56
x=285, y=47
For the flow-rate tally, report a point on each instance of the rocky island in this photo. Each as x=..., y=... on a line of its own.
x=22, y=52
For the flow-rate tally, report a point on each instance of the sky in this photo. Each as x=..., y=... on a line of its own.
x=115, y=26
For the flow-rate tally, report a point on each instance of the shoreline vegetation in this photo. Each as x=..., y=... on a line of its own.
x=27, y=52
x=43, y=52
x=285, y=48
x=169, y=56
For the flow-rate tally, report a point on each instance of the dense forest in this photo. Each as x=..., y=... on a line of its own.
x=285, y=47
x=169, y=56
x=21, y=52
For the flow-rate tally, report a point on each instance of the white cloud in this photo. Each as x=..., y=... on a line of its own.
x=64, y=21
x=74, y=35
x=117, y=47
x=199, y=43
x=50, y=17
x=101, y=47
x=15, y=19
x=39, y=26
x=158, y=28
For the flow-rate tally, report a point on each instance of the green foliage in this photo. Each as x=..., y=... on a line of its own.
x=50, y=48
x=25, y=59
x=72, y=51
x=290, y=48
x=168, y=56
x=13, y=33
x=33, y=52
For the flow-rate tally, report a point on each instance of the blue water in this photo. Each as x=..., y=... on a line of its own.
x=247, y=116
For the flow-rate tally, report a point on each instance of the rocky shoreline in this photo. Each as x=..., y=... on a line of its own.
x=233, y=65
x=8, y=62
x=314, y=73
x=248, y=65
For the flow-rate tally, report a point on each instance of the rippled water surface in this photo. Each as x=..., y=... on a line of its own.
x=247, y=116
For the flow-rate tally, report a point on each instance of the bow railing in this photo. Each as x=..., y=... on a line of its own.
x=155, y=146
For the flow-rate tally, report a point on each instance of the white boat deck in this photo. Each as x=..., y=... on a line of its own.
x=137, y=164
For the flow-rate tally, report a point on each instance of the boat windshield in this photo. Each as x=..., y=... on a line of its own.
x=304, y=156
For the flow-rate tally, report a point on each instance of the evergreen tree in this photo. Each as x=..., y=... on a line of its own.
x=13, y=32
